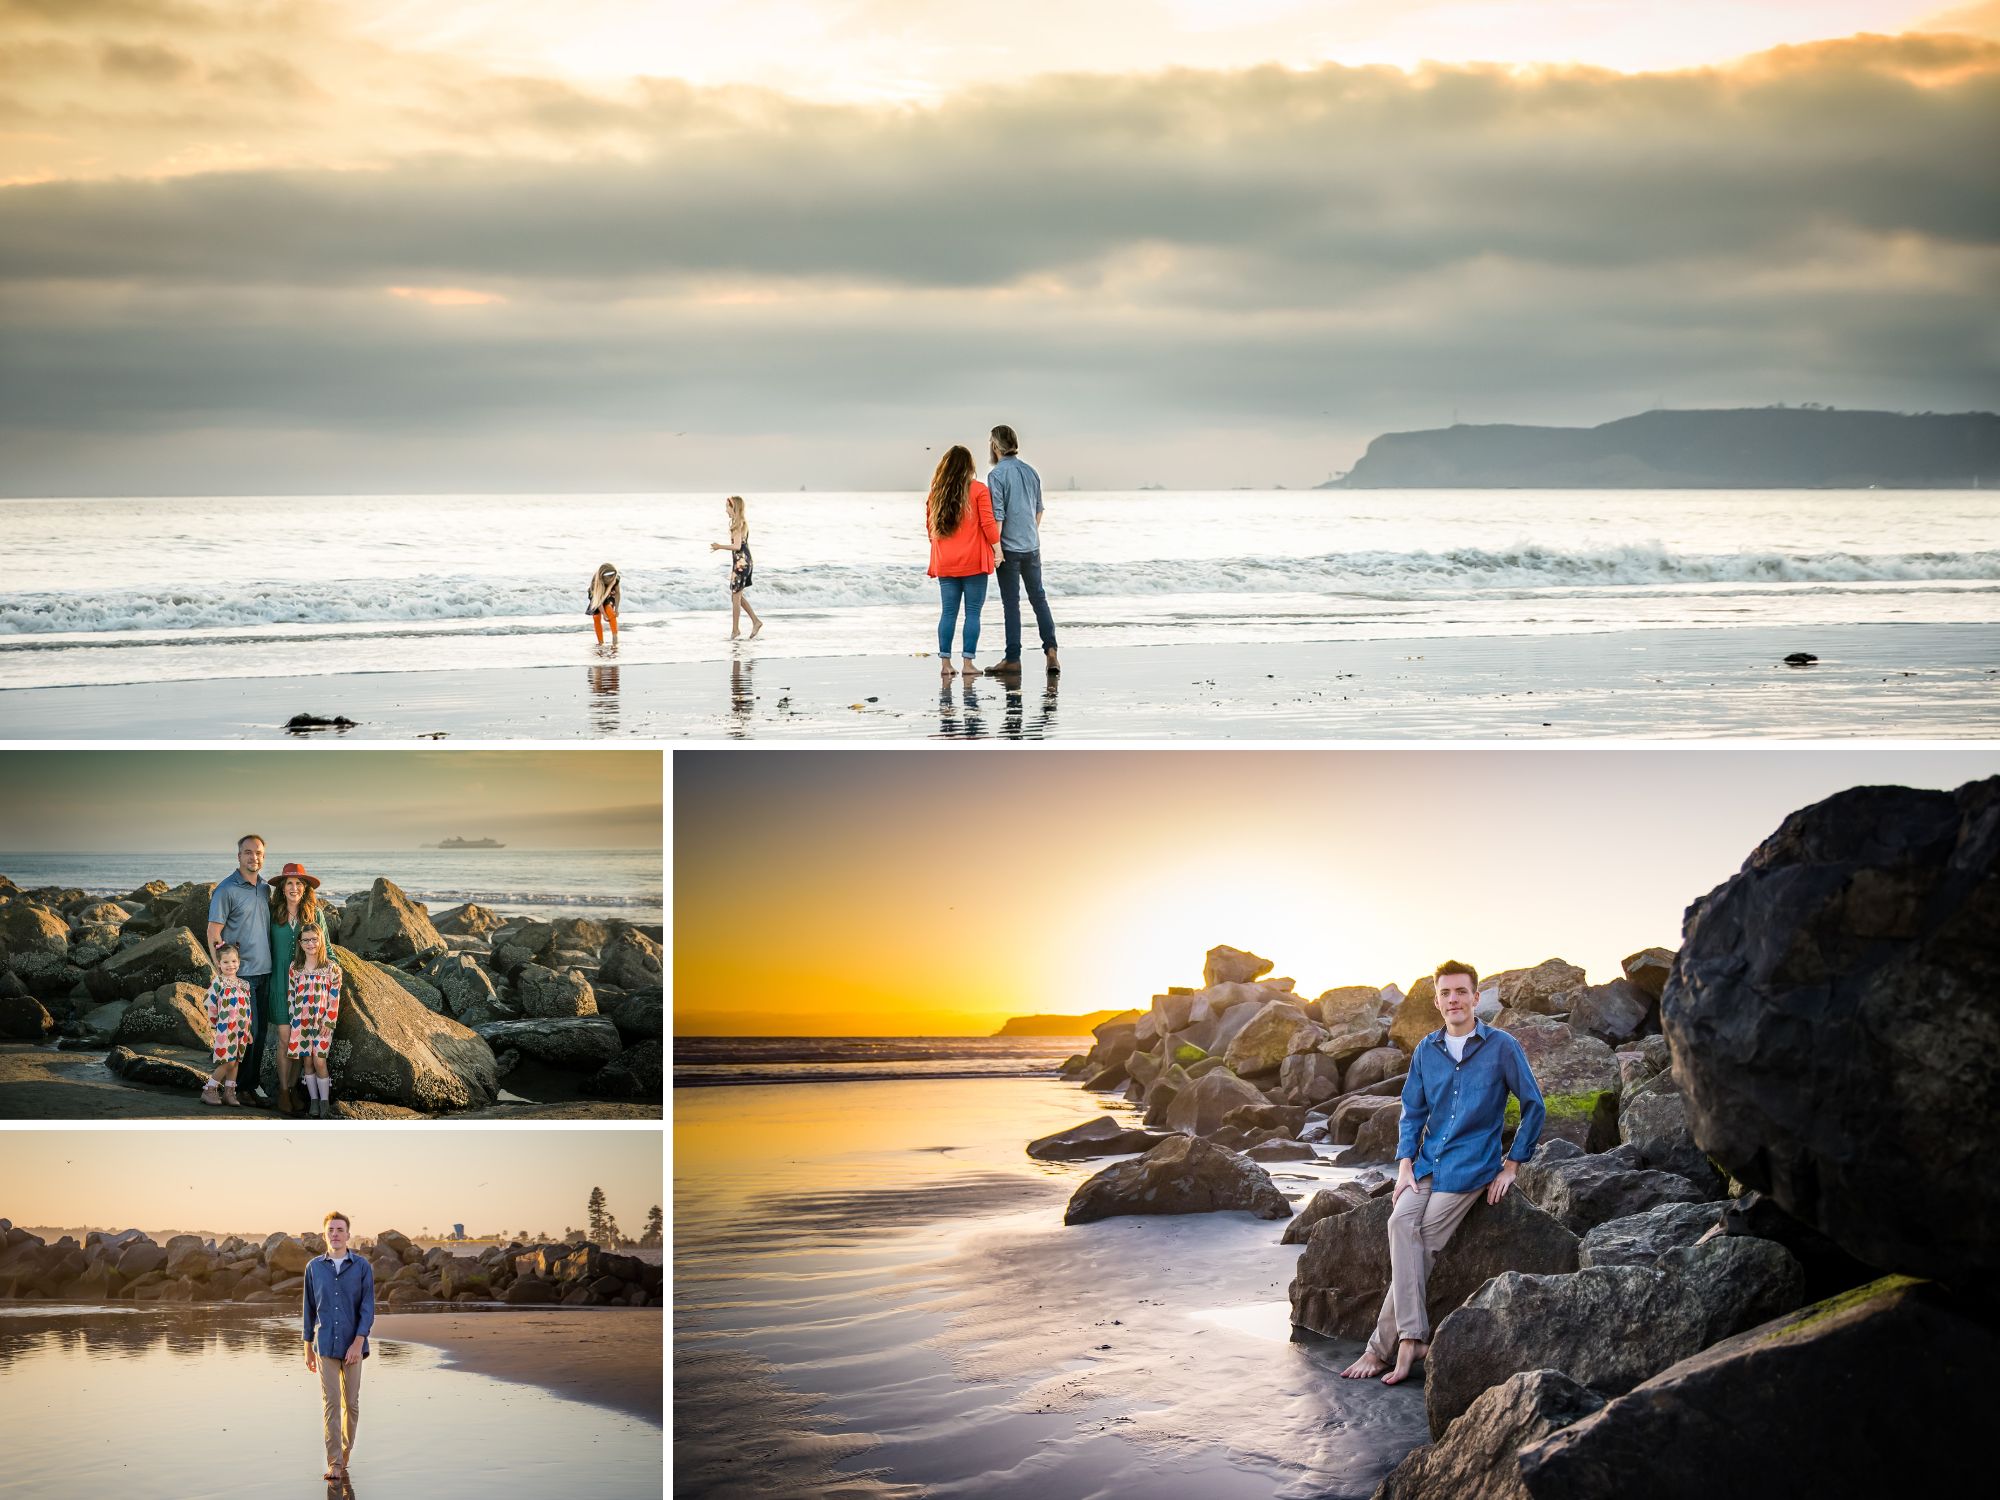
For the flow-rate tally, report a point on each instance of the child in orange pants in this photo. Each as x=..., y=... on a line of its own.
x=604, y=589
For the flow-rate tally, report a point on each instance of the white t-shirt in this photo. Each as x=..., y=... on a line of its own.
x=1455, y=1045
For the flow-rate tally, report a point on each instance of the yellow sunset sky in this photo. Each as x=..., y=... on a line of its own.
x=876, y=893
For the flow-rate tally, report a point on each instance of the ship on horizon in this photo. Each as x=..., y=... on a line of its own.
x=458, y=843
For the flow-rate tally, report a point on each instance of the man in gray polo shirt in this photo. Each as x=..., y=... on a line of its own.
x=1017, y=507
x=240, y=912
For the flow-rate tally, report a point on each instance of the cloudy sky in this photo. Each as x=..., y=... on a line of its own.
x=330, y=245
x=183, y=800
x=903, y=913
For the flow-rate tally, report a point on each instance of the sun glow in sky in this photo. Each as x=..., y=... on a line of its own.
x=876, y=893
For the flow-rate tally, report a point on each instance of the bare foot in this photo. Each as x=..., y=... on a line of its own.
x=1365, y=1368
x=736, y=635
x=969, y=669
x=1408, y=1352
x=755, y=628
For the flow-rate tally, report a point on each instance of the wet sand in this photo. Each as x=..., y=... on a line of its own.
x=1906, y=681
x=608, y=1356
x=43, y=1083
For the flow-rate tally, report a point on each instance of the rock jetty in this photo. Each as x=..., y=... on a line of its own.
x=131, y=1267
x=436, y=1014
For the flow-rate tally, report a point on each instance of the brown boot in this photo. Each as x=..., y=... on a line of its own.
x=284, y=1099
x=1054, y=665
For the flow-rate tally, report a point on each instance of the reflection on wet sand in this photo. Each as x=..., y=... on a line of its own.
x=958, y=708
x=1018, y=726
x=603, y=680
x=216, y=1401
x=741, y=699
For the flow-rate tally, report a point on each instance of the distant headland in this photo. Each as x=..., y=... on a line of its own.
x=1773, y=447
x=1059, y=1025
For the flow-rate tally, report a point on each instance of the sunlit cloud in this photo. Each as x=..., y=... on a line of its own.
x=446, y=296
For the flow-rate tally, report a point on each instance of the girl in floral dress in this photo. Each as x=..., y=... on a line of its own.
x=229, y=1003
x=312, y=1006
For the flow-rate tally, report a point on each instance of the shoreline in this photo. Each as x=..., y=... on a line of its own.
x=1894, y=680
x=597, y=1355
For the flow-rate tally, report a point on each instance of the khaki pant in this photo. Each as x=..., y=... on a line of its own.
x=339, y=1385
x=1419, y=1226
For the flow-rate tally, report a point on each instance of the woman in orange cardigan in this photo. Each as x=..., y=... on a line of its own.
x=963, y=535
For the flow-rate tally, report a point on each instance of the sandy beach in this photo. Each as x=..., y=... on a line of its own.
x=1911, y=680
x=606, y=1356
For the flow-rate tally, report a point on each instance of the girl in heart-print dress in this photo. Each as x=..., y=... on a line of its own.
x=312, y=1004
x=228, y=1001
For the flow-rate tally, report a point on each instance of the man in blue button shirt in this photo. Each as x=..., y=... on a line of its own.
x=339, y=1312
x=1016, y=492
x=1448, y=1157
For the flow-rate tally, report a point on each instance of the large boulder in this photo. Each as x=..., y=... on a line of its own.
x=1184, y=1175
x=584, y=1042
x=630, y=961
x=1309, y=1077
x=1642, y=1238
x=521, y=944
x=1376, y=1141
x=28, y=928
x=170, y=957
x=1578, y=1075
x=1833, y=1027
x=1613, y=1013
x=174, y=1013
x=1585, y=1190
x=1330, y=1201
x=1609, y=1326
x=23, y=1018
x=1348, y=1043
x=549, y=993
x=160, y=1072
x=1103, y=1136
x=1226, y=965
x=468, y=921
x=387, y=925
x=289, y=1257
x=47, y=976
x=1652, y=1119
x=1349, y=1005
x=1344, y=1271
x=1648, y=969
x=1356, y=1112
x=1200, y=1108
x=1880, y=1392
x=465, y=987
x=639, y=1072
x=389, y=1048
x=1477, y=1458
x=1418, y=1016
x=1374, y=1066
x=1274, y=1033
x=639, y=1015
x=1542, y=989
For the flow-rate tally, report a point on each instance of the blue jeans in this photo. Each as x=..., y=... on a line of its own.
x=1024, y=568
x=971, y=589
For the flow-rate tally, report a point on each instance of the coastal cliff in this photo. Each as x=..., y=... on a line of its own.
x=1061, y=1025
x=1762, y=448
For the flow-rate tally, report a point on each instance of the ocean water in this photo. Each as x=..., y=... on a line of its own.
x=710, y=1061
x=875, y=1296
x=139, y=1402
x=545, y=883
x=192, y=589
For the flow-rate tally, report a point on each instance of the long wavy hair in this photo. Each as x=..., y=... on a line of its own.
x=299, y=965
x=308, y=902
x=950, y=486
x=737, y=519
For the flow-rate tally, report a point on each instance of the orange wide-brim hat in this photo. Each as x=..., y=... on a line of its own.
x=297, y=872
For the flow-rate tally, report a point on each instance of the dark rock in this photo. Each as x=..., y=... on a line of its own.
x=1103, y=1136
x=1375, y=1066
x=1648, y=969
x=631, y=961
x=549, y=994
x=1310, y=1077
x=1642, y=1238
x=1356, y=1111
x=1476, y=1458
x=1277, y=1030
x=1326, y=1203
x=1376, y=1141
x=1417, y=1017
x=1281, y=1150
x=1185, y=1175
x=1584, y=1190
x=1578, y=1075
x=1610, y=1326
x=468, y=921
x=639, y=1072
x=387, y=926
x=587, y=1042
x=1829, y=1269
x=1344, y=1271
x=176, y=1014
x=1833, y=1028
x=1538, y=989
x=170, y=957
x=461, y=982
x=1803, y=1405
x=387, y=1047
x=310, y=723
x=1611, y=1012
x=162, y=1072
x=24, y=1019
x=141, y=1257
x=1348, y=1007
x=640, y=1016
x=1652, y=1118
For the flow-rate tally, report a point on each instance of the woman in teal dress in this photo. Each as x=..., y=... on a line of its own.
x=294, y=904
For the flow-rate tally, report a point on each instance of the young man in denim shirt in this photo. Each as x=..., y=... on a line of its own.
x=339, y=1312
x=1448, y=1157
x=1016, y=491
